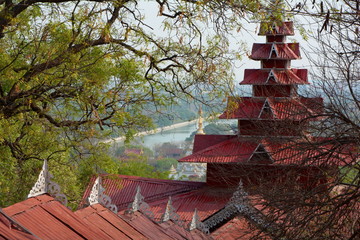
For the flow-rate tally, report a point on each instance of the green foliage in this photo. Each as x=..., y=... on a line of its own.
x=140, y=168
x=164, y=164
x=74, y=73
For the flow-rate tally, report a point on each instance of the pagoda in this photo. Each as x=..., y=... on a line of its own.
x=271, y=122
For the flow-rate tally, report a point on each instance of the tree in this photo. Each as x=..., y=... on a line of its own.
x=73, y=72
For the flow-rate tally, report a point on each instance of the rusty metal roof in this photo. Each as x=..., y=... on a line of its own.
x=13, y=230
x=283, y=77
x=284, y=28
x=203, y=141
x=147, y=227
x=49, y=219
x=285, y=51
x=238, y=228
x=247, y=108
x=282, y=152
x=97, y=216
x=207, y=200
x=121, y=189
x=180, y=232
x=235, y=150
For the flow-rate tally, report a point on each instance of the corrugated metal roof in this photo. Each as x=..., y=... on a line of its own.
x=235, y=150
x=12, y=230
x=49, y=219
x=283, y=77
x=284, y=28
x=97, y=216
x=147, y=227
x=174, y=229
x=121, y=189
x=282, y=152
x=206, y=200
x=238, y=228
x=248, y=108
x=203, y=141
x=285, y=51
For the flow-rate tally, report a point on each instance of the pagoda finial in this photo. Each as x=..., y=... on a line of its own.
x=44, y=185
x=170, y=213
x=97, y=196
x=200, y=130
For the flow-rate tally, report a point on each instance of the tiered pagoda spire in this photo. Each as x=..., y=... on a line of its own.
x=268, y=121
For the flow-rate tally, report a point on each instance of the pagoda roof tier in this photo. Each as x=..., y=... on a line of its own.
x=243, y=150
x=275, y=76
x=277, y=51
x=296, y=109
x=271, y=29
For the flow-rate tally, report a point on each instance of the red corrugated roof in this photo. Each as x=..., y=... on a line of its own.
x=49, y=219
x=248, y=108
x=235, y=150
x=174, y=229
x=12, y=230
x=285, y=51
x=203, y=141
x=149, y=228
x=206, y=200
x=284, y=28
x=283, y=76
x=121, y=189
x=97, y=216
x=295, y=152
x=238, y=228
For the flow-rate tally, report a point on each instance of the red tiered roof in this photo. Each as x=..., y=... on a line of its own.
x=295, y=152
x=281, y=51
x=284, y=28
x=282, y=77
x=247, y=108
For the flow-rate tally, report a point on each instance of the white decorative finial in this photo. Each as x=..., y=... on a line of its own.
x=194, y=221
x=200, y=130
x=44, y=185
x=97, y=196
x=140, y=205
x=135, y=206
x=170, y=213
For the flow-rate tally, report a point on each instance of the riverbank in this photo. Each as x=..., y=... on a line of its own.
x=154, y=131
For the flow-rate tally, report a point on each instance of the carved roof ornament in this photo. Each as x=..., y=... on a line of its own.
x=44, y=185
x=170, y=213
x=197, y=224
x=238, y=204
x=140, y=205
x=97, y=195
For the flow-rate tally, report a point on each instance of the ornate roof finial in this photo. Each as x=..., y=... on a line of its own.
x=197, y=224
x=140, y=205
x=200, y=130
x=170, y=213
x=135, y=206
x=97, y=196
x=44, y=185
x=239, y=197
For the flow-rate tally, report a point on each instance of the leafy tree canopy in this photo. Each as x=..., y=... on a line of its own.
x=73, y=72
